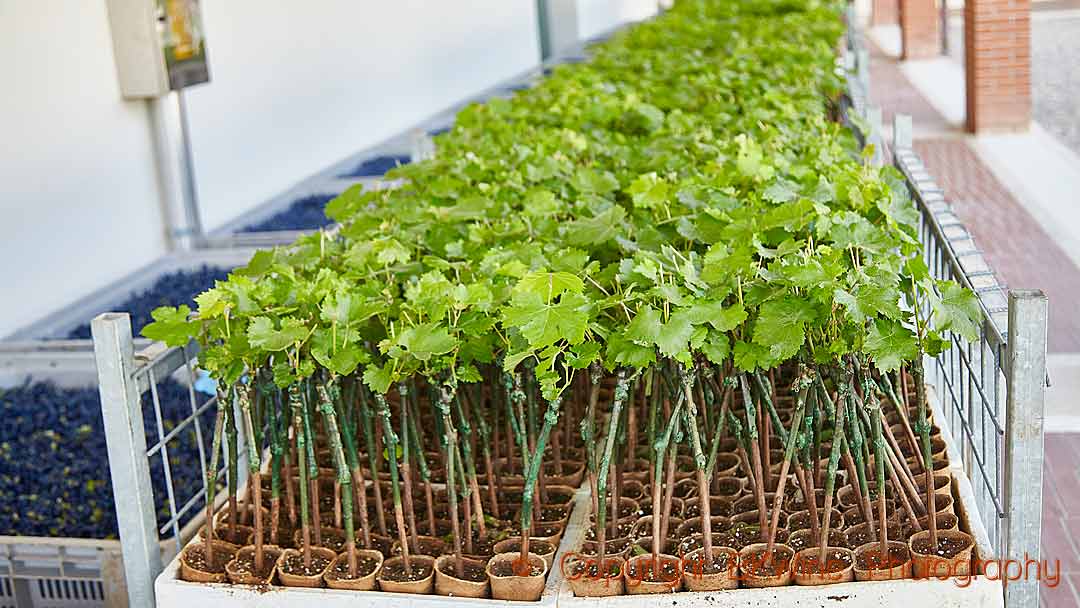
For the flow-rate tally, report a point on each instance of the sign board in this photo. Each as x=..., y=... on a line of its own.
x=159, y=45
x=182, y=42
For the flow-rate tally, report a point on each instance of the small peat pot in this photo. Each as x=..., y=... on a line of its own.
x=729, y=487
x=870, y=565
x=513, y=579
x=241, y=569
x=951, y=557
x=472, y=581
x=722, y=573
x=587, y=579
x=801, y=520
x=427, y=545
x=195, y=568
x=945, y=521
x=838, y=567
x=294, y=573
x=803, y=539
x=759, y=570
x=942, y=484
x=537, y=546
x=238, y=535
x=616, y=547
x=394, y=578
x=860, y=534
x=368, y=563
x=652, y=574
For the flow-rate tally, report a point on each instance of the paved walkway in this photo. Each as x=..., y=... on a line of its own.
x=1016, y=245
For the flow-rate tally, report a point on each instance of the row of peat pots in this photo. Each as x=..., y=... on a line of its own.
x=771, y=557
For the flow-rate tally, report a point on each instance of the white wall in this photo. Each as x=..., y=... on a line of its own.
x=295, y=87
x=78, y=196
x=598, y=16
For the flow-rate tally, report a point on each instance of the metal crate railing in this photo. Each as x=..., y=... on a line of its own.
x=991, y=390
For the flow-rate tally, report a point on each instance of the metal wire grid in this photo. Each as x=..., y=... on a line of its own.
x=154, y=365
x=969, y=377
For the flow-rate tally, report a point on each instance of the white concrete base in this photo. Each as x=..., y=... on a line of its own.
x=1043, y=175
x=1063, y=396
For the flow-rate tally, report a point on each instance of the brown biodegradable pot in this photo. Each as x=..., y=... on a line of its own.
x=193, y=566
x=945, y=521
x=368, y=564
x=537, y=546
x=730, y=487
x=507, y=584
x=952, y=556
x=942, y=484
x=723, y=573
x=640, y=578
x=756, y=572
x=239, y=536
x=726, y=464
x=429, y=545
x=392, y=575
x=560, y=495
x=241, y=569
x=860, y=534
x=870, y=567
x=801, y=520
x=291, y=562
x=549, y=533
x=475, y=581
x=839, y=566
x=802, y=539
x=616, y=547
x=586, y=580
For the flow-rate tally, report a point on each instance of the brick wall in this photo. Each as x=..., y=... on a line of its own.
x=997, y=50
x=885, y=12
x=919, y=28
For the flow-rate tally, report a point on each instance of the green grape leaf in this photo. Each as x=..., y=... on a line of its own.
x=890, y=344
x=171, y=325
x=957, y=310
x=263, y=335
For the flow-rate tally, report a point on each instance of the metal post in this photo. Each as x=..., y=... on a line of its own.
x=543, y=29
x=1026, y=371
x=902, y=132
x=862, y=70
x=130, y=469
x=191, y=190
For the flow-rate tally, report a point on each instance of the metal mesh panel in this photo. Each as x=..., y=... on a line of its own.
x=969, y=377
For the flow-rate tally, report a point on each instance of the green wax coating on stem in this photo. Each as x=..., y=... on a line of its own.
x=550, y=418
x=621, y=392
x=748, y=405
x=766, y=397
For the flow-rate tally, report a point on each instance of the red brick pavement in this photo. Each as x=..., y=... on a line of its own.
x=1061, y=494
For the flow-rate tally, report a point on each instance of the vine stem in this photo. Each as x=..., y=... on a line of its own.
x=302, y=469
x=211, y=477
x=445, y=396
x=551, y=417
x=344, y=476
x=406, y=467
x=830, y=475
x=755, y=453
x=660, y=447
x=789, y=450
x=254, y=463
x=700, y=464
x=391, y=449
x=621, y=392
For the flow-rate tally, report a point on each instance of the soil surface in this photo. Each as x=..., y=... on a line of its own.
x=591, y=569
x=858, y=538
x=696, y=565
x=237, y=536
x=245, y=563
x=294, y=564
x=872, y=559
x=610, y=547
x=396, y=571
x=835, y=561
x=621, y=530
x=946, y=547
x=755, y=563
x=194, y=557
x=516, y=568
x=470, y=572
x=364, y=567
x=644, y=571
